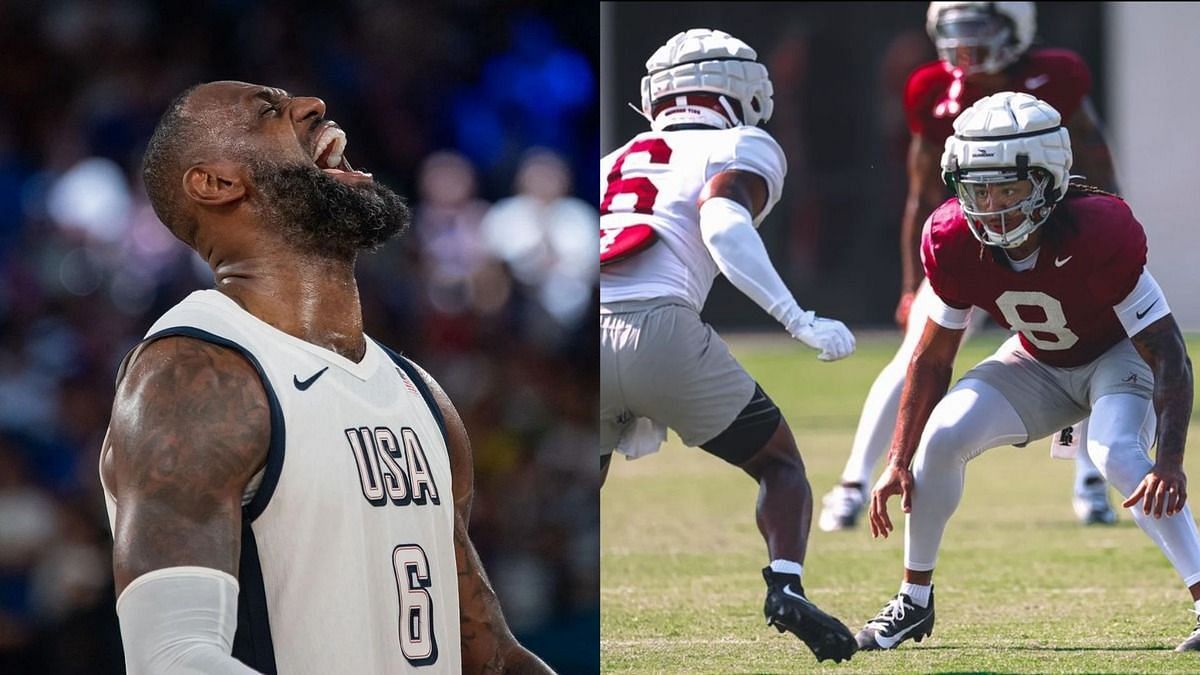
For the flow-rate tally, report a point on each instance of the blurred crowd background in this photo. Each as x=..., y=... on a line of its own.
x=484, y=113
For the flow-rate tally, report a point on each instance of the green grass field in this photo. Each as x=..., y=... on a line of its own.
x=1021, y=586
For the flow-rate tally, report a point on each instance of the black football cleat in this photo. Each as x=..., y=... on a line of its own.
x=899, y=620
x=787, y=608
x=1192, y=644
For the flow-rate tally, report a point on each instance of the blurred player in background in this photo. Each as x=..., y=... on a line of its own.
x=983, y=48
x=1064, y=265
x=220, y=466
x=681, y=204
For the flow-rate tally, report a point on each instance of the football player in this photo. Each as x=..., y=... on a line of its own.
x=1064, y=265
x=983, y=48
x=681, y=203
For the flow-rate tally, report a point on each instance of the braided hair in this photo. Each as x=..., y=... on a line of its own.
x=1059, y=221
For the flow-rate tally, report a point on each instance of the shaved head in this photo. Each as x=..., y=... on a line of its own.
x=197, y=122
x=162, y=165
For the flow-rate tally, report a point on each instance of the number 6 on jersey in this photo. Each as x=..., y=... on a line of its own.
x=417, y=642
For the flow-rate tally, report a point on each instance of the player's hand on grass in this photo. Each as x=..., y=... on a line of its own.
x=895, y=480
x=1162, y=492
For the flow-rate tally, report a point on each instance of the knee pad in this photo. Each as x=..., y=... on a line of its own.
x=748, y=432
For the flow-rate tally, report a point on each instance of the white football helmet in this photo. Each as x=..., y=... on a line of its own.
x=981, y=37
x=711, y=61
x=1004, y=138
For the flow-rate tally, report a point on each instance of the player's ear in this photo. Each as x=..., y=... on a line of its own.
x=214, y=183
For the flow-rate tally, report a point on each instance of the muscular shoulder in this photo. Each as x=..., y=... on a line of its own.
x=1052, y=61
x=925, y=84
x=946, y=234
x=188, y=410
x=1105, y=229
x=748, y=149
x=458, y=444
x=947, y=249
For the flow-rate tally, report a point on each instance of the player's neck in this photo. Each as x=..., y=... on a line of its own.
x=1030, y=246
x=313, y=299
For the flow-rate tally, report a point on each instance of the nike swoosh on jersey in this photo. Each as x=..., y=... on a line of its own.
x=1035, y=82
x=305, y=384
x=1060, y=263
x=1146, y=311
x=889, y=642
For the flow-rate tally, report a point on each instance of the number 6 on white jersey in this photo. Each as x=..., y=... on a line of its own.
x=417, y=641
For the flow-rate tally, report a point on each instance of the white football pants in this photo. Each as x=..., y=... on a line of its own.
x=877, y=421
x=974, y=417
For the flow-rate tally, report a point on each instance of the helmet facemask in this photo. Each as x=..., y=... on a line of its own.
x=1009, y=226
x=974, y=42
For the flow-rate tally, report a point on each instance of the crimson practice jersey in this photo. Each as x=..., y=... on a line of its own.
x=1093, y=251
x=934, y=96
x=655, y=180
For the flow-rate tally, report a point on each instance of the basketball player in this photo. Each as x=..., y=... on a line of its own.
x=286, y=494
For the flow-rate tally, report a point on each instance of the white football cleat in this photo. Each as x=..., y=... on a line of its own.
x=840, y=508
x=1091, y=503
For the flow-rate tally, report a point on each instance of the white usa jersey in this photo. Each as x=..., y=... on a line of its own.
x=656, y=179
x=347, y=558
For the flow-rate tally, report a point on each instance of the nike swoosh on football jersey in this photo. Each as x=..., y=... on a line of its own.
x=1035, y=82
x=889, y=642
x=1060, y=263
x=1147, y=310
x=305, y=384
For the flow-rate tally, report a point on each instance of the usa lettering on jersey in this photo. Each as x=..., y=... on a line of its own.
x=392, y=469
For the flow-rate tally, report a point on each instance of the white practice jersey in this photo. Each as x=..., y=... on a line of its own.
x=656, y=179
x=347, y=558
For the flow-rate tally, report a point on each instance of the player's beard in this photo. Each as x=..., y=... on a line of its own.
x=323, y=217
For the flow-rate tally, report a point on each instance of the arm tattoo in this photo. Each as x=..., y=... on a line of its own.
x=1162, y=346
x=481, y=621
x=487, y=644
x=190, y=427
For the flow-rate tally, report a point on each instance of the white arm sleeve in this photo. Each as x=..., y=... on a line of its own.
x=180, y=620
x=735, y=246
x=1144, y=305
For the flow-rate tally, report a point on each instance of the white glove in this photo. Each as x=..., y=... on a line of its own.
x=828, y=335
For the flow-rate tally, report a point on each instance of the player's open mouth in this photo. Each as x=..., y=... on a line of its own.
x=329, y=156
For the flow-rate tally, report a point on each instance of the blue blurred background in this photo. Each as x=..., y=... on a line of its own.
x=483, y=113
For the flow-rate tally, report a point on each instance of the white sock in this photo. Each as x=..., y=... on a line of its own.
x=1196, y=607
x=787, y=567
x=918, y=594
